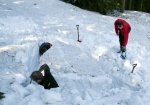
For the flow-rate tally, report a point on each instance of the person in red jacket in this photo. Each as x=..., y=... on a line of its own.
x=122, y=29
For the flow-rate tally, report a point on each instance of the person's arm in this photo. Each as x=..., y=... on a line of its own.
x=125, y=34
x=116, y=28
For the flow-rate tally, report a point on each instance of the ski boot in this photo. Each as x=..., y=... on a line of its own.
x=123, y=55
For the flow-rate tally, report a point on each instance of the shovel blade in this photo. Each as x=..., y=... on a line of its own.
x=79, y=40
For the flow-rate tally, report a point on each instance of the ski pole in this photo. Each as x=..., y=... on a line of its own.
x=78, y=33
x=134, y=65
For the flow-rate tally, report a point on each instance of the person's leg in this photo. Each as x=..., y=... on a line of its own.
x=121, y=43
x=121, y=39
x=123, y=48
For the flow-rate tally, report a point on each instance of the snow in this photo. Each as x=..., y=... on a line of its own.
x=88, y=73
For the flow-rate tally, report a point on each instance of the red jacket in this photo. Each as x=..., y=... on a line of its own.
x=124, y=31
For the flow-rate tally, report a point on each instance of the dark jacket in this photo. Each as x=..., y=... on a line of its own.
x=124, y=31
x=44, y=47
x=48, y=80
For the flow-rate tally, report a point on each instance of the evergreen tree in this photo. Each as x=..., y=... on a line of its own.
x=104, y=6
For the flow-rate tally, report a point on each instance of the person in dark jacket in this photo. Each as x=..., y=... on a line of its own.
x=44, y=77
x=44, y=47
x=122, y=29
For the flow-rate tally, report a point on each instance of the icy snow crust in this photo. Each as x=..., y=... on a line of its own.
x=88, y=73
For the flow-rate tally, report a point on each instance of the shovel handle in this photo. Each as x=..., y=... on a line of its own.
x=134, y=65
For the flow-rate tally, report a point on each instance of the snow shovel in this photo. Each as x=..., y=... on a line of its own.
x=78, y=33
x=134, y=65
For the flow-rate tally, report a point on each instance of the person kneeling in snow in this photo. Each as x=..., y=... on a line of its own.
x=44, y=77
x=44, y=47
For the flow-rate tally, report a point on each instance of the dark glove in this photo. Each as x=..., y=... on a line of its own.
x=123, y=48
x=51, y=45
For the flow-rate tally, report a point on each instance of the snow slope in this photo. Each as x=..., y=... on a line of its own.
x=88, y=73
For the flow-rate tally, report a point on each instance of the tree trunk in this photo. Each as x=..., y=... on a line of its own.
x=123, y=6
x=130, y=4
x=141, y=7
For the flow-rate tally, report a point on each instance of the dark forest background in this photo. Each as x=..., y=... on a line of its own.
x=105, y=6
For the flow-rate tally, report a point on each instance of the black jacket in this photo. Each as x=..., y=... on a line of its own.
x=48, y=80
x=44, y=47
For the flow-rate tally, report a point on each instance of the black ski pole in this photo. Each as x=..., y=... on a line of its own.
x=134, y=65
x=78, y=33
